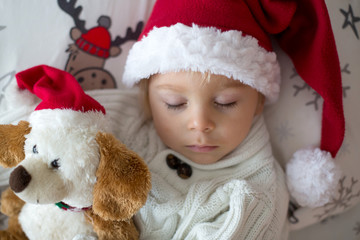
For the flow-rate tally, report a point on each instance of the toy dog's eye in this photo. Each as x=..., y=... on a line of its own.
x=55, y=163
x=35, y=149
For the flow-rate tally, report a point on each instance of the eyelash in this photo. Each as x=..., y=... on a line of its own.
x=226, y=105
x=174, y=107
x=178, y=106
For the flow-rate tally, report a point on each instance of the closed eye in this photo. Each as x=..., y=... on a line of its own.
x=175, y=106
x=226, y=105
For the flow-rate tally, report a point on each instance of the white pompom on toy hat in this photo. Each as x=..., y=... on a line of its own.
x=234, y=38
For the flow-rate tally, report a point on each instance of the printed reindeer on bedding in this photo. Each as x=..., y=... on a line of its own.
x=91, y=48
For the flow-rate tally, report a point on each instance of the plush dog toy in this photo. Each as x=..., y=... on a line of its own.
x=72, y=180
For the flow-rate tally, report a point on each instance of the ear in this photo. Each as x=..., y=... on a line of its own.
x=260, y=104
x=12, y=141
x=123, y=180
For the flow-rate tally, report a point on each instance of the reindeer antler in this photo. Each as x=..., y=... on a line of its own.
x=130, y=35
x=74, y=12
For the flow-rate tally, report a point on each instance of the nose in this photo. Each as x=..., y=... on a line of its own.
x=19, y=179
x=201, y=121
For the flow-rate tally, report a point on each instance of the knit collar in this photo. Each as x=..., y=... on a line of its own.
x=66, y=207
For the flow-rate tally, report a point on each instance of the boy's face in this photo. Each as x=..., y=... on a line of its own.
x=202, y=120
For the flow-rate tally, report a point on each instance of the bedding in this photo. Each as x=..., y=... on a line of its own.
x=91, y=40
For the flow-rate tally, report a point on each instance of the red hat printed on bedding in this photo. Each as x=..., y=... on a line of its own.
x=233, y=38
x=96, y=41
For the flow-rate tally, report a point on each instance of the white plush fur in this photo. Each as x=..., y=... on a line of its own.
x=312, y=177
x=68, y=136
x=39, y=222
x=204, y=49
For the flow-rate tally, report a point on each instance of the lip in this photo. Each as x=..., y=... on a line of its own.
x=201, y=148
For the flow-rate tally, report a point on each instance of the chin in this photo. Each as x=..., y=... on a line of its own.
x=201, y=159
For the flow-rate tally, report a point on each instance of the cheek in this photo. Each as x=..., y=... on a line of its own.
x=236, y=129
x=165, y=124
x=168, y=132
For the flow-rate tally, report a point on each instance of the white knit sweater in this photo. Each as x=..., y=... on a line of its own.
x=243, y=196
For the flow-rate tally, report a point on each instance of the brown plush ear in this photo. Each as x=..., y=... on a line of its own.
x=12, y=140
x=11, y=206
x=110, y=230
x=10, y=203
x=123, y=180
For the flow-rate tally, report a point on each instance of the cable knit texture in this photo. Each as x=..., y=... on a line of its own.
x=243, y=196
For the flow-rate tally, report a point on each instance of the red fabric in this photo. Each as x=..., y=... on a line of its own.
x=57, y=89
x=302, y=28
x=310, y=43
x=224, y=15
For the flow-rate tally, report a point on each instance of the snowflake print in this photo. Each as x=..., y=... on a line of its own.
x=283, y=131
x=357, y=228
x=298, y=88
x=315, y=101
x=294, y=74
x=345, y=69
x=344, y=149
x=342, y=200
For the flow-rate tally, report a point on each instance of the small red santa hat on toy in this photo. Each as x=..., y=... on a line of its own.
x=233, y=38
x=64, y=103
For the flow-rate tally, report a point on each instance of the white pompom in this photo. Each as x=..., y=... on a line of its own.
x=16, y=97
x=312, y=177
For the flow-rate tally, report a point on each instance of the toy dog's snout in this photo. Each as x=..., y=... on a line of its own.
x=19, y=179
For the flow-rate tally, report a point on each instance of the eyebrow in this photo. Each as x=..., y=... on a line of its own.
x=230, y=84
x=169, y=87
x=233, y=84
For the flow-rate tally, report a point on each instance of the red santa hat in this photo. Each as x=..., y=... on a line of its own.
x=63, y=101
x=233, y=38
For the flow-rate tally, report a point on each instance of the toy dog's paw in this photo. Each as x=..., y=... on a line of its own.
x=85, y=237
x=4, y=235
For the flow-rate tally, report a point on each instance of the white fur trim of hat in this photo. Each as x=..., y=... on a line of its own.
x=204, y=49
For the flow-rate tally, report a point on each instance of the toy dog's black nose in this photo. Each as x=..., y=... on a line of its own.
x=19, y=179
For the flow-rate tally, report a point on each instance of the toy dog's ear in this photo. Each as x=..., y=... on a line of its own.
x=123, y=180
x=12, y=141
